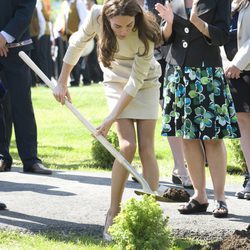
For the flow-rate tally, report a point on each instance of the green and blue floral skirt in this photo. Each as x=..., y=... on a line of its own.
x=198, y=104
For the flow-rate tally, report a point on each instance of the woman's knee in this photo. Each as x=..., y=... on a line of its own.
x=146, y=149
x=127, y=147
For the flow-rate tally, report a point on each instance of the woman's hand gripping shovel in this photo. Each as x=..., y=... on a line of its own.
x=145, y=187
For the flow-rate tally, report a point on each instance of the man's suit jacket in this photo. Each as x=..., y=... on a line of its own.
x=189, y=47
x=242, y=58
x=15, y=17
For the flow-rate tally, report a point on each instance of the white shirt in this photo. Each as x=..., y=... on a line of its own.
x=82, y=11
x=41, y=19
x=8, y=37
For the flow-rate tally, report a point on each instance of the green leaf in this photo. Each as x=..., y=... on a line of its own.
x=192, y=93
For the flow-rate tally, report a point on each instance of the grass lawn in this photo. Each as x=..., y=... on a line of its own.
x=55, y=241
x=64, y=143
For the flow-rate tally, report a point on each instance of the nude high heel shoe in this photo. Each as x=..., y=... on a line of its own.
x=108, y=222
x=183, y=180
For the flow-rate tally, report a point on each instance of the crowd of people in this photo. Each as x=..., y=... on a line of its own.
x=147, y=53
x=50, y=35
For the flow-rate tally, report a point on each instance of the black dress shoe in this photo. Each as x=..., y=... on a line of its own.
x=2, y=206
x=5, y=165
x=38, y=168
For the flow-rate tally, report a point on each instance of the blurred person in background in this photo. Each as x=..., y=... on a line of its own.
x=238, y=71
x=44, y=37
x=90, y=64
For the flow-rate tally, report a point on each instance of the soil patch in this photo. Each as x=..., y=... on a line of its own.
x=239, y=240
x=178, y=195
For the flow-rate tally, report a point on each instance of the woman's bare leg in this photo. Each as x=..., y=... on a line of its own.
x=146, y=131
x=244, y=121
x=176, y=147
x=180, y=170
x=194, y=155
x=217, y=159
x=127, y=143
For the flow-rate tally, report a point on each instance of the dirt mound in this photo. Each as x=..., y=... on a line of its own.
x=178, y=195
x=239, y=240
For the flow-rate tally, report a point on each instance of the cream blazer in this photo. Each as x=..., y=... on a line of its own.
x=144, y=70
x=242, y=57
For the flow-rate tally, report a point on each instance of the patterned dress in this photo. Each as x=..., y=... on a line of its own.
x=198, y=104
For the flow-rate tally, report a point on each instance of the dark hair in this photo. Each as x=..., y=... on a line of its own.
x=145, y=23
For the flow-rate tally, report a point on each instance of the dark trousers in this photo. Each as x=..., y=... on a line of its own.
x=35, y=58
x=62, y=47
x=76, y=73
x=18, y=109
x=163, y=63
x=4, y=134
x=93, y=69
x=44, y=55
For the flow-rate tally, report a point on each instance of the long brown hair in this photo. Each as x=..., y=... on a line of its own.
x=145, y=23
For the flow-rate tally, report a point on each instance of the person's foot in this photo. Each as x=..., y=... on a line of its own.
x=192, y=207
x=38, y=168
x=247, y=177
x=5, y=165
x=182, y=179
x=86, y=83
x=245, y=193
x=220, y=209
x=2, y=206
x=108, y=222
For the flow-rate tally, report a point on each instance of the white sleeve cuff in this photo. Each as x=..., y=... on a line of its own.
x=7, y=37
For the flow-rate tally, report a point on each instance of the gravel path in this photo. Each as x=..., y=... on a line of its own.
x=78, y=201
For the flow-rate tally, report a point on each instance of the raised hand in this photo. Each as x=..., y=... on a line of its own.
x=165, y=12
x=3, y=47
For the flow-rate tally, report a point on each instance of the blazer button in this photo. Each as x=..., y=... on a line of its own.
x=184, y=44
x=186, y=30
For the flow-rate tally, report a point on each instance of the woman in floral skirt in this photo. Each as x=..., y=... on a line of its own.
x=198, y=105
